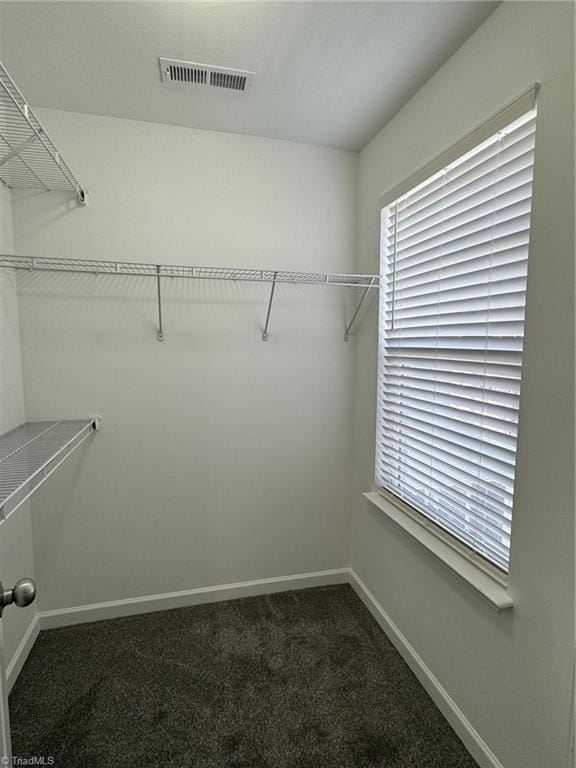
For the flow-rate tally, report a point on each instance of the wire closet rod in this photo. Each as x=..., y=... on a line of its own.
x=159, y=271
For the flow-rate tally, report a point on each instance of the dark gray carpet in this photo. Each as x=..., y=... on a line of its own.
x=301, y=679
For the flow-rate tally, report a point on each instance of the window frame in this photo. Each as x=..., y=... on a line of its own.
x=522, y=104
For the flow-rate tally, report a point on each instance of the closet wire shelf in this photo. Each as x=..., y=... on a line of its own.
x=370, y=283
x=30, y=453
x=28, y=158
x=98, y=267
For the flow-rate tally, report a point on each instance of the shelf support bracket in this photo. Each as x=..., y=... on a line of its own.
x=16, y=151
x=265, y=331
x=361, y=303
x=160, y=334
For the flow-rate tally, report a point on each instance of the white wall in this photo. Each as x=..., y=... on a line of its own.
x=221, y=458
x=16, y=556
x=11, y=389
x=510, y=672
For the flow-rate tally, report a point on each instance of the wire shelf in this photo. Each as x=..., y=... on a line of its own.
x=28, y=158
x=30, y=453
x=169, y=270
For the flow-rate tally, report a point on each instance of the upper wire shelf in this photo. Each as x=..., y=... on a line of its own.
x=159, y=271
x=30, y=453
x=28, y=158
x=98, y=267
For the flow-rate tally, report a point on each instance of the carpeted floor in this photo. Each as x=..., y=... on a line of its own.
x=301, y=679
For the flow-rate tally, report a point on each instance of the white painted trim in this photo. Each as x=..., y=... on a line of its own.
x=474, y=743
x=81, y=614
x=468, y=567
x=5, y=740
x=21, y=653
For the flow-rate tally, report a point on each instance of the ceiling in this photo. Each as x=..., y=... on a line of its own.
x=326, y=73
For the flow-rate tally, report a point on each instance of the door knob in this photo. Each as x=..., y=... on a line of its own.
x=22, y=594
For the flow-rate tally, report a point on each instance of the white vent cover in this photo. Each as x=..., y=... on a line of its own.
x=175, y=72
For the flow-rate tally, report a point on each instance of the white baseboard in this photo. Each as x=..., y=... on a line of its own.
x=21, y=653
x=163, y=602
x=474, y=743
x=117, y=608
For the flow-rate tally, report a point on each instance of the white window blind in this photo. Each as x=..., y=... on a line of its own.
x=454, y=258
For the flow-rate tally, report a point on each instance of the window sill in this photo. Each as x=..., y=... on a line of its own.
x=480, y=580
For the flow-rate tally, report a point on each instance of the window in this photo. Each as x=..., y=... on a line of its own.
x=454, y=251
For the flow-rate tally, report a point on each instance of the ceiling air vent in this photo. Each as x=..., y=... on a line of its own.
x=174, y=72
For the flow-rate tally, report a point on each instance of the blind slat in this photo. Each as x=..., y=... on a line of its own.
x=495, y=369
x=515, y=175
x=478, y=287
x=459, y=358
x=458, y=503
x=448, y=189
x=500, y=242
x=418, y=419
x=471, y=463
x=427, y=431
x=459, y=404
x=452, y=520
x=416, y=408
x=503, y=203
x=466, y=390
x=507, y=303
x=478, y=380
x=447, y=497
x=453, y=267
x=515, y=219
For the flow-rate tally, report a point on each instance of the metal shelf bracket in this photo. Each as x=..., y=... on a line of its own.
x=272, y=289
x=361, y=303
x=160, y=334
